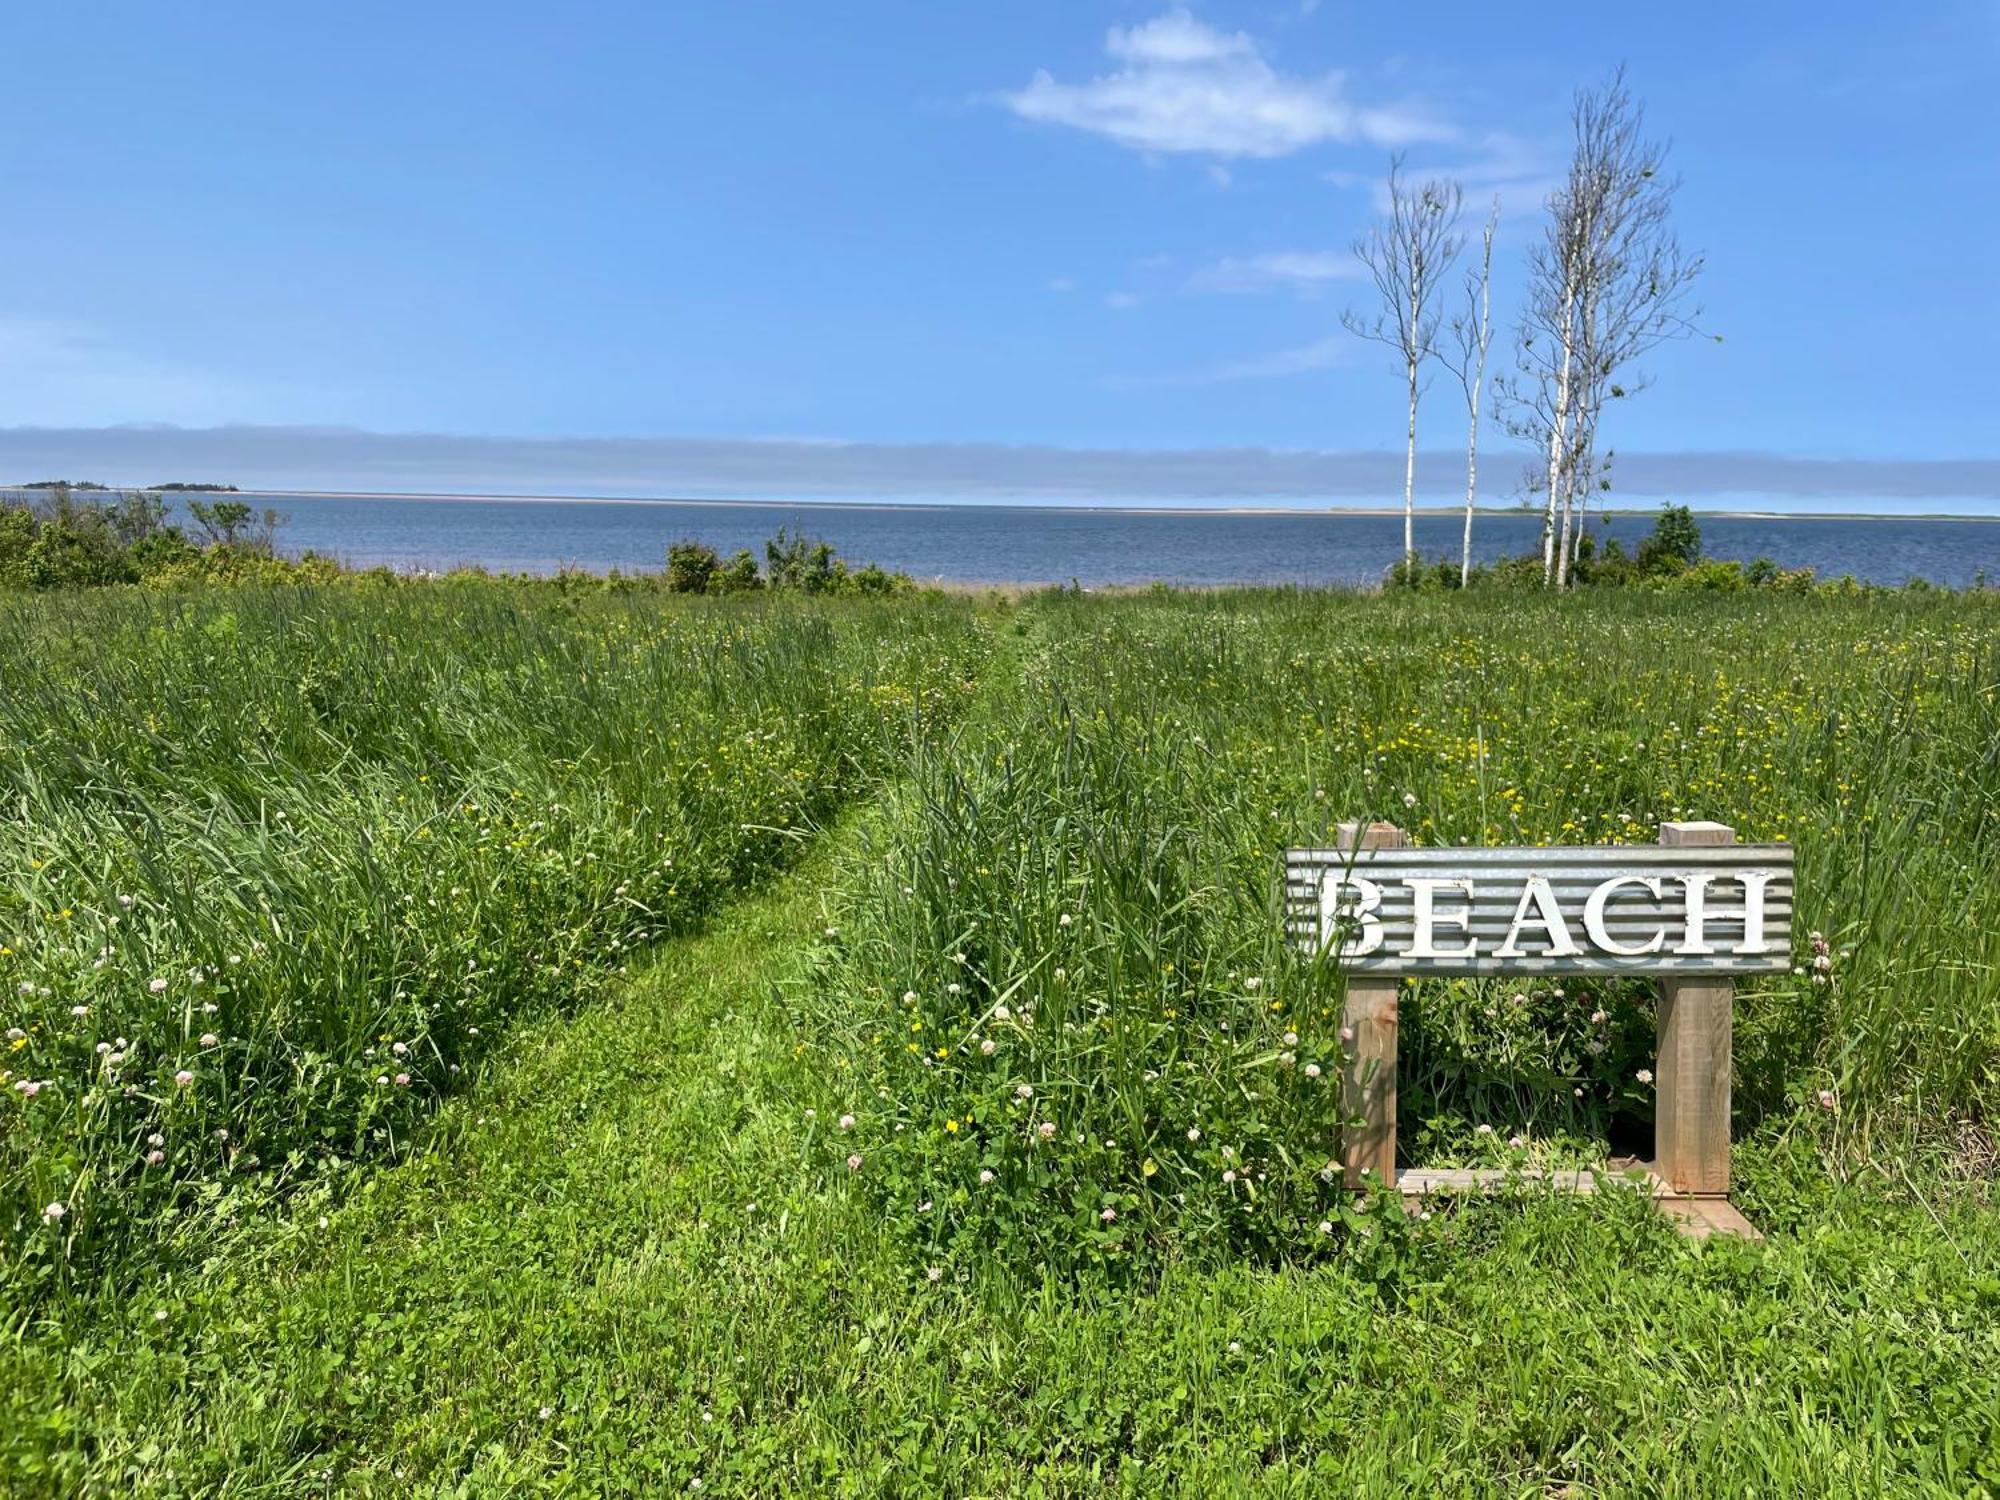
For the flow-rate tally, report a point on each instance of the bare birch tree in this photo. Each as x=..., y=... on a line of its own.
x=1471, y=337
x=1408, y=256
x=1608, y=283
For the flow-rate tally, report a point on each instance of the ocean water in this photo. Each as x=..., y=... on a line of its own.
x=1041, y=544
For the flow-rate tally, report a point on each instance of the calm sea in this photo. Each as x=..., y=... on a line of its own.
x=992, y=544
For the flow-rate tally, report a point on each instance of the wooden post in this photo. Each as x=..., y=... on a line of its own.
x=1691, y=1117
x=1368, y=1081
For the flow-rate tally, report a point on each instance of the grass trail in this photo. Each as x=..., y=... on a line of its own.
x=624, y=1266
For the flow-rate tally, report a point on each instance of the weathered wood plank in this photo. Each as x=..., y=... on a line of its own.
x=1368, y=1080
x=1692, y=1082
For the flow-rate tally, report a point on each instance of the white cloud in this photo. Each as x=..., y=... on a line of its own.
x=1120, y=301
x=1176, y=37
x=1185, y=87
x=1306, y=272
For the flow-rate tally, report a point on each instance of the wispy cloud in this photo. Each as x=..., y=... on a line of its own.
x=319, y=458
x=1500, y=166
x=1307, y=272
x=1182, y=86
x=56, y=372
x=1303, y=359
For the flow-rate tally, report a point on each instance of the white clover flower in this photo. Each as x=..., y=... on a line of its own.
x=909, y=997
x=399, y=1048
x=209, y=1039
x=79, y=1010
x=1644, y=1075
x=954, y=989
x=1046, y=1130
x=155, y=1157
x=1024, y=1091
x=1194, y=1134
x=1483, y=1129
x=988, y=1047
x=846, y=1122
x=157, y=986
x=1229, y=1176
x=1409, y=799
x=156, y=1139
x=53, y=1212
x=1063, y=920
x=1312, y=1070
x=1108, y=1215
x=854, y=1162
x=1598, y=1018
x=985, y=1176
x=183, y=1078
x=1291, y=1039
x=934, y=1275
x=1326, y=1226
x=1347, y=1033
x=402, y=1080
x=1253, y=983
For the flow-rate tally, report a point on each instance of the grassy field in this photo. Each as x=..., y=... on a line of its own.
x=983, y=1152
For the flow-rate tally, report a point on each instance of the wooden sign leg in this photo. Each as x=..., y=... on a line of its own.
x=1691, y=1118
x=1368, y=1080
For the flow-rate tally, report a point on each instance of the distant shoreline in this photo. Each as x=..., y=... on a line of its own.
x=1635, y=512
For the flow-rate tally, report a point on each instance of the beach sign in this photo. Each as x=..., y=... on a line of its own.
x=1696, y=912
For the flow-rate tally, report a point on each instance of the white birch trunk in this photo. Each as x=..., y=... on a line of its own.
x=1558, y=430
x=1410, y=480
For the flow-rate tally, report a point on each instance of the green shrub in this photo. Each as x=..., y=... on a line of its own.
x=691, y=567
x=1675, y=544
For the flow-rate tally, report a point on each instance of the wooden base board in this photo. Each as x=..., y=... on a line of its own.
x=1697, y=1215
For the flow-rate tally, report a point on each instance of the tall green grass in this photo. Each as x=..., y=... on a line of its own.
x=275, y=865
x=1061, y=1015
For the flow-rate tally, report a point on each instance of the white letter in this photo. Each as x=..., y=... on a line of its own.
x=1593, y=916
x=1754, y=882
x=1346, y=899
x=1548, y=916
x=1424, y=889
x=1696, y=940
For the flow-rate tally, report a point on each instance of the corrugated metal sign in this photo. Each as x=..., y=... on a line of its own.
x=1632, y=909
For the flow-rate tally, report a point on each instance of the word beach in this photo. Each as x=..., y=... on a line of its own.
x=1641, y=910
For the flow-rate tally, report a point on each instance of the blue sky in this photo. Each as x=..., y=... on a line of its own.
x=1078, y=225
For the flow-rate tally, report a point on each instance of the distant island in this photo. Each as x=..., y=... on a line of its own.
x=91, y=485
